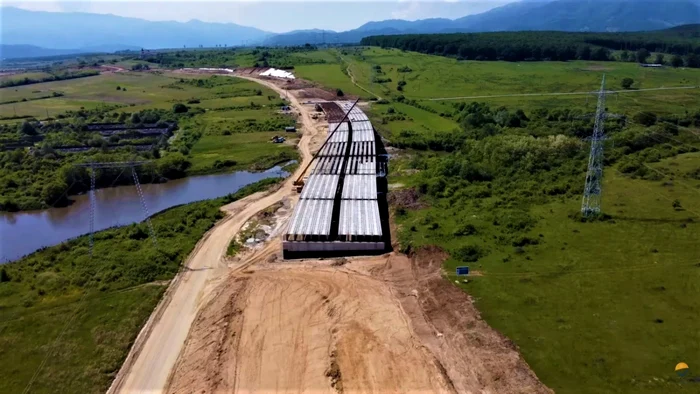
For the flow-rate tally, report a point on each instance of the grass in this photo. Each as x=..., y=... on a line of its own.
x=599, y=307
x=20, y=76
x=474, y=78
x=330, y=76
x=416, y=119
x=232, y=106
x=143, y=90
x=46, y=287
x=467, y=78
x=247, y=150
x=91, y=92
x=596, y=307
x=120, y=287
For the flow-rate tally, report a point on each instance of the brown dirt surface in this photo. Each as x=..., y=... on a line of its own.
x=315, y=329
x=318, y=93
x=382, y=324
x=476, y=357
x=407, y=198
x=333, y=112
x=594, y=67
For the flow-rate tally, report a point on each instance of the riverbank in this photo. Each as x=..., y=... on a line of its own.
x=101, y=302
x=223, y=125
x=116, y=206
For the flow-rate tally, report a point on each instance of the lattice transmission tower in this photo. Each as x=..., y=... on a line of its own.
x=594, y=177
x=93, y=203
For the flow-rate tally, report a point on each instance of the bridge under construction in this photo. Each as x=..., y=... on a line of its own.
x=342, y=209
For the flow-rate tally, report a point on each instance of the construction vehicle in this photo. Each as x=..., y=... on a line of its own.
x=299, y=183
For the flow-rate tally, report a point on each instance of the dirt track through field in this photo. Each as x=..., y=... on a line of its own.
x=157, y=347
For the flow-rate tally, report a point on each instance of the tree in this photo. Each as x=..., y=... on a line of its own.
x=339, y=93
x=179, y=108
x=28, y=129
x=53, y=192
x=642, y=55
x=584, y=53
x=692, y=61
x=135, y=118
x=627, y=83
x=601, y=54
x=676, y=61
x=173, y=166
x=645, y=118
x=659, y=59
x=624, y=56
x=4, y=276
x=119, y=87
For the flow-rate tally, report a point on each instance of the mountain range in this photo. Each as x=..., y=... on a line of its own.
x=30, y=33
x=559, y=15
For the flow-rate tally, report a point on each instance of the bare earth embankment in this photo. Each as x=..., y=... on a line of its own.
x=389, y=324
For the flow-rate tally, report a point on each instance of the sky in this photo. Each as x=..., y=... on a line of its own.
x=275, y=16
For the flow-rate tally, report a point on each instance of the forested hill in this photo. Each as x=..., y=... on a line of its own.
x=682, y=42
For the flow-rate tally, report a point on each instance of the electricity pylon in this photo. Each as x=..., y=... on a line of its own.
x=594, y=177
x=93, y=203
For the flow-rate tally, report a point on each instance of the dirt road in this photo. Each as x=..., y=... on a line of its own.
x=387, y=324
x=158, y=345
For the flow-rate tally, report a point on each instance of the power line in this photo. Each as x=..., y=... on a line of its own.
x=93, y=166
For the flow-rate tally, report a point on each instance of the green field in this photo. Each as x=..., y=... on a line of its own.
x=143, y=90
x=595, y=289
x=608, y=306
x=596, y=307
x=474, y=78
x=478, y=79
x=330, y=76
x=101, y=303
x=248, y=151
x=234, y=118
x=20, y=76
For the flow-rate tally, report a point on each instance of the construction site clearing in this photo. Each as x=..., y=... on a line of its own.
x=383, y=323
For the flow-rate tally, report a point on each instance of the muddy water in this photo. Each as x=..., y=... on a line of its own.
x=25, y=232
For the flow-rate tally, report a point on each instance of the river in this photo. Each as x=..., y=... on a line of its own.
x=22, y=233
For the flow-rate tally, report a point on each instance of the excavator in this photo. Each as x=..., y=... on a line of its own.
x=299, y=182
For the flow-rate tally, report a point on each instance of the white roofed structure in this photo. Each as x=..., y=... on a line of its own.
x=338, y=209
x=310, y=218
x=359, y=218
x=360, y=187
x=320, y=187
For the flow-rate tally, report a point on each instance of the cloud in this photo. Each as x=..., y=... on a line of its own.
x=408, y=10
